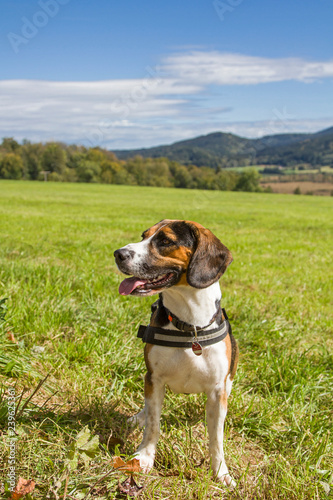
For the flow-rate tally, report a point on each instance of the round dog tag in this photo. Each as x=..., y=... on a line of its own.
x=196, y=348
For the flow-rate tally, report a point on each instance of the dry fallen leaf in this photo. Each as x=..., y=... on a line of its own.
x=117, y=462
x=11, y=337
x=23, y=487
x=129, y=486
x=129, y=467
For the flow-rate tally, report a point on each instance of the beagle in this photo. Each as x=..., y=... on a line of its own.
x=188, y=343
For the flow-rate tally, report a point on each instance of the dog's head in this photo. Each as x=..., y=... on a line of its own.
x=172, y=252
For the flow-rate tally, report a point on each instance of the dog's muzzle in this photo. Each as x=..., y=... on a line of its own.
x=122, y=255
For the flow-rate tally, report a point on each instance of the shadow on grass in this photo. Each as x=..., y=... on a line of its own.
x=106, y=419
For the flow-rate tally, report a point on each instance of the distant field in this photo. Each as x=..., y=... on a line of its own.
x=64, y=310
x=306, y=187
x=258, y=168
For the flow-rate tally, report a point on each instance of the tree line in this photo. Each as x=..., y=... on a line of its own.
x=71, y=163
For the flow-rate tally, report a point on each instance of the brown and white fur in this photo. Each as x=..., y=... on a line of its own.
x=183, y=261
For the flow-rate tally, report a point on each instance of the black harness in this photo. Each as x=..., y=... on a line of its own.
x=187, y=334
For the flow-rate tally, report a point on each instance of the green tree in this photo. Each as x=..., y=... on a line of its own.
x=226, y=180
x=10, y=145
x=54, y=158
x=69, y=175
x=11, y=167
x=88, y=171
x=122, y=176
x=182, y=177
x=208, y=178
x=112, y=172
x=96, y=155
x=136, y=167
x=248, y=181
x=158, y=172
x=31, y=155
x=74, y=158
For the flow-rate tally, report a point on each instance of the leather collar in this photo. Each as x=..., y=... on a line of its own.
x=219, y=316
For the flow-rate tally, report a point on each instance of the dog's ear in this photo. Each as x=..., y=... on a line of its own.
x=209, y=260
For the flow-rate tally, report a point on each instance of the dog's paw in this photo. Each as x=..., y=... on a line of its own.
x=146, y=461
x=226, y=480
x=137, y=420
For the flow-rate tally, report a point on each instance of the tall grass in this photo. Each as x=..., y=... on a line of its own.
x=64, y=310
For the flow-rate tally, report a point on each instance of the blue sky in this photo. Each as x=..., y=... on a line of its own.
x=137, y=74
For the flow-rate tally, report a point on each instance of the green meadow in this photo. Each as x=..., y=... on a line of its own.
x=68, y=321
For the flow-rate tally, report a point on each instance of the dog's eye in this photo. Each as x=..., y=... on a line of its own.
x=166, y=242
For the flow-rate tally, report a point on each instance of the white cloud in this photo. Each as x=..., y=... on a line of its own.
x=77, y=111
x=237, y=69
x=167, y=105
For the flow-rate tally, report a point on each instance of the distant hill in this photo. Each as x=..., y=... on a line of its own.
x=206, y=150
x=315, y=149
x=327, y=131
x=221, y=149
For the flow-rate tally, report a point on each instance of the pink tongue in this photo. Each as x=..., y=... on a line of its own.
x=129, y=284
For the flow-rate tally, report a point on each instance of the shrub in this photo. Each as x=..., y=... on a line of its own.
x=11, y=167
x=88, y=171
x=248, y=181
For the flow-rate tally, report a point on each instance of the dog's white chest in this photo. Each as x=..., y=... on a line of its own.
x=184, y=372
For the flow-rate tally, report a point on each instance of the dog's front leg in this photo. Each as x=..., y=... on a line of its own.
x=154, y=395
x=216, y=410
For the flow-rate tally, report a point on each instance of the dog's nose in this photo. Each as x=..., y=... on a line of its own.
x=123, y=254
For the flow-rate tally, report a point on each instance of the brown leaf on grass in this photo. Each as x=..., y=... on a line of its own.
x=11, y=337
x=129, y=487
x=117, y=462
x=23, y=487
x=129, y=467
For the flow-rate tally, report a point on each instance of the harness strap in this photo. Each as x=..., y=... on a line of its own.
x=171, y=338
